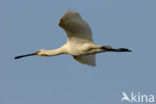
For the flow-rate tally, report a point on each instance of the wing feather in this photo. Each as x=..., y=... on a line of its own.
x=75, y=26
x=78, y=32
x=86, y=59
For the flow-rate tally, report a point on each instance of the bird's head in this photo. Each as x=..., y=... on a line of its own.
x=42, y=52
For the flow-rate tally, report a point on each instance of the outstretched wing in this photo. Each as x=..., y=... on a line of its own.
x=86, y=59
x=75, y=27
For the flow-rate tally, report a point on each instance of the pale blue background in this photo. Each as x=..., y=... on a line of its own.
x=29, y=25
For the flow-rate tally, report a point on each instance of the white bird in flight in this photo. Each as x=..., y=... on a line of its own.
x=79, y=43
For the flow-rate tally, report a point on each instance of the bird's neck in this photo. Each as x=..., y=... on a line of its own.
x=55, y=52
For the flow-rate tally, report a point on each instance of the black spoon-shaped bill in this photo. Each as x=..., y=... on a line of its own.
x=21, y=56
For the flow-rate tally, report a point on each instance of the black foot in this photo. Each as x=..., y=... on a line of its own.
x=123, y=50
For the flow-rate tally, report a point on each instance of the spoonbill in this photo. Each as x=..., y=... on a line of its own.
x=79, y=43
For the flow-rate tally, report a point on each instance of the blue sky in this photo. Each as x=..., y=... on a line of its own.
x=29, y=25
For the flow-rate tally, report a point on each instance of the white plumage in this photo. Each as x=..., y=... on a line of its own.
x=79, y=43
x=78, y=33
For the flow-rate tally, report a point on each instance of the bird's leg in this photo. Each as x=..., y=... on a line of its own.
x=108, y=48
